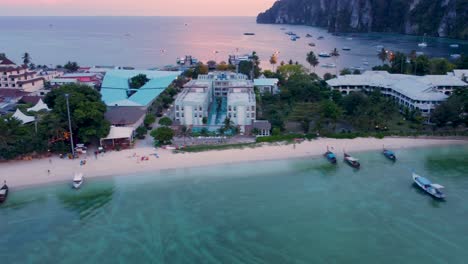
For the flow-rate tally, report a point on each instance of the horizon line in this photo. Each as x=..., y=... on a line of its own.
x=120, y=16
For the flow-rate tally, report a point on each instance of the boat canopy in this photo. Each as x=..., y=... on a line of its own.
x=78, y=177
x=2, y=191
x=423, y=180
x=352, y=159
x=437, y=186
x=389, y=152
x=331, y=155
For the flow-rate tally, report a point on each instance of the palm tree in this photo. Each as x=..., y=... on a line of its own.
x=228, y=124
x=184, y=131
x=412, y=56
x=26, y=58
x=383, y=55
x=312, y=59
x=273, y=61
x=335, y=54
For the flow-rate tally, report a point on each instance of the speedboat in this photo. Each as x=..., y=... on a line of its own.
x=3, y=192
x=293, y=37
x=308, y=35
x=455, y=46
x=422, y=44
x=330, y=156
x=349, y=38
x=433, y=189
x=346, y=48
x=78, y=180
x=324, y=55
x=312, y=44
x=320, y=37
x=353, y=162
x=329, y=65
x=389, y=154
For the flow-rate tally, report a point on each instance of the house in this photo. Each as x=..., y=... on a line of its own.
x=13, y=76
x=267, y=85
x=116, y=91
x=125, y=116
x=422, y=93
x=91, y=79
x=263, y=127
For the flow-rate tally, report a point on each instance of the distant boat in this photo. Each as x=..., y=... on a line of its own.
x=294, y=38
x=3, y=192
x=346, y=48
x=454, y=46
x=290, y=33
x=353, y=162
x=312, y=44
x=249, y=34
x=365, y=62
x=329, y=65
x=423, y=44
x=349, y=38
x=78, y=180
x=308, y=35
x=455, y=56
x=389, y=154
x=330, y=156
x=320, y=37
x=433, y=189
x=324, y=55
x=358, y=68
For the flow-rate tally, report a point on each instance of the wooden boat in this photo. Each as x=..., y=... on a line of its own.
x=78, y=180
x=330, y=156
x=433, y=189
x=353, y=162
x=389, y=154
x=3, y=192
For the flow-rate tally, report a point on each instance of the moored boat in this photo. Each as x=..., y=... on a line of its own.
x=353, y=162
x=329, y=65
x=78, y=180
x=320, y=37
x=455, y=56
x=330, y=156
x=249, y=33
x=3, y=192
x=346, y=48
x=389, y=154
x=308, y=35
x=433, y=189
x=454, y=46
x=324, y=55
x=312, y=44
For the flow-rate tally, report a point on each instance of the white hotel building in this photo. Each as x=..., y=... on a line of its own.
x=13, y=76
x=415, y=92
x=216, y=96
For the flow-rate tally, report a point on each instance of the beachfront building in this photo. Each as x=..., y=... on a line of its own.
x=125, y=116
x=116, y=91
x=13, y=76
x=213, y=97
x=460, y=74
x=423, y=93
x=267, y=85
x=91, y=79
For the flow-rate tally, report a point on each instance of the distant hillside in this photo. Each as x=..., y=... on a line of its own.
x=441, y=18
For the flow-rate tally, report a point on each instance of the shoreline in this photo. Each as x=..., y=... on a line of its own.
x=28, y=174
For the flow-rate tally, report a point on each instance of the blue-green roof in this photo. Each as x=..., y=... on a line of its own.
x=266, y=81
x=115, y=86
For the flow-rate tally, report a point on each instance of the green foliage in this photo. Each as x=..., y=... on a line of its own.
x=312, y=59
x=345, y=71
x=136, y=82
x=86, y=110
x=201, y=148
x=454, y=111
x=141, y=132
x=26, y=58
x=285, y=137
x=327, y=76
x=162, y=135
x=71, y=66
x=165, y=121
x=149, y=119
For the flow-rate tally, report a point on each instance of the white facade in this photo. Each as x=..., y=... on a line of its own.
x=415, y=92
x=18, y=77
x=199, y=98
x=267, y=85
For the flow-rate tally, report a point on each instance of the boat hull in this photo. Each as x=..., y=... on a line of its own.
x=389, y=156
x=331, y=160
x=4, y=196
x=428, y=190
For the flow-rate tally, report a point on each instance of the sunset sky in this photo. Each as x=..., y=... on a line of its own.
x=133, y=7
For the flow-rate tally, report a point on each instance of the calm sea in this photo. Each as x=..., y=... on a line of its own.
x=292, y=211
x=146, y=42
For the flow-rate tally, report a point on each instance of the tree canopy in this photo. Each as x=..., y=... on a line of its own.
x=162, y=135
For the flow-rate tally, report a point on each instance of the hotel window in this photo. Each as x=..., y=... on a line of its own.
x=248, y=115
x=177, y=108
x=200, y=108
x=177, y=114
x=235, y=108
x=182, y=108
x=196, y=115
x=182, y=115
x=253, y=108
x=235, y=115
x=12, y=79
x=230, y=109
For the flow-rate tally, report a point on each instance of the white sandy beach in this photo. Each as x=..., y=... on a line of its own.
x=35, y=172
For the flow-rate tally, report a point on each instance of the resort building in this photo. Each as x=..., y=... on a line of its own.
x=267, y=85
x=213, y=97
x=415, y=92
x=13, y=76
x=125, y=116
x=116, y=91
x=91, y=79
x=460, y=74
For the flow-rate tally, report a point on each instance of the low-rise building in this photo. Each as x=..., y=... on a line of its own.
x=267, y=85
x=13, y=76
x=460, y=74
x=125, y=116
x=423, y=93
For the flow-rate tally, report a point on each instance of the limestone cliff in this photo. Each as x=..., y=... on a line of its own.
x=441, y=18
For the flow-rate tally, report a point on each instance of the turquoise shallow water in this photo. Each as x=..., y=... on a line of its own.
x=294, y=211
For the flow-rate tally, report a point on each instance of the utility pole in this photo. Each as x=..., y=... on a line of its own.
x=69, y=126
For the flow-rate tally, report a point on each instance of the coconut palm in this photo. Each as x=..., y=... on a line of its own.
x=383, y=55
x=312, y=59
x=335, y=53
x=26, y=58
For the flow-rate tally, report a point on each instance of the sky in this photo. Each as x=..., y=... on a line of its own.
x=133, y=7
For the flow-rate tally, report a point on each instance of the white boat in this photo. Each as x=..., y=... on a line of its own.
x=324, y=54
x=433, y=189
x=454, y=46
x=423, y=44
x=349, y=38
x=365, y=62
x=78, y=180
x=455, y=56
x=328, y=65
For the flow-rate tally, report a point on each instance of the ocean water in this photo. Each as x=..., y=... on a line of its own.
x=146, y=42
x=291, y=211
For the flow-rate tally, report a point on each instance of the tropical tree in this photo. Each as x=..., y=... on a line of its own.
x=383, y=55
x=162, y=135
x=228, y=124
x=345, y=71
x=71, y=66
x=312, y=59
x=149, y=119
x=335, y=53
x=165, y=121
x=184, y=132
x=273, y=61
x=136, y=82
x=26, y=58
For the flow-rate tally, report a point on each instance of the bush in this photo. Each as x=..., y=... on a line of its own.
x=165, y=121
x=149, y=119
x=162, y=135
x=141, y=132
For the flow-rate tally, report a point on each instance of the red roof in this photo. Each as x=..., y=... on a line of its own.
x=6, y=61
x=12, y=93
x=32, y=99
